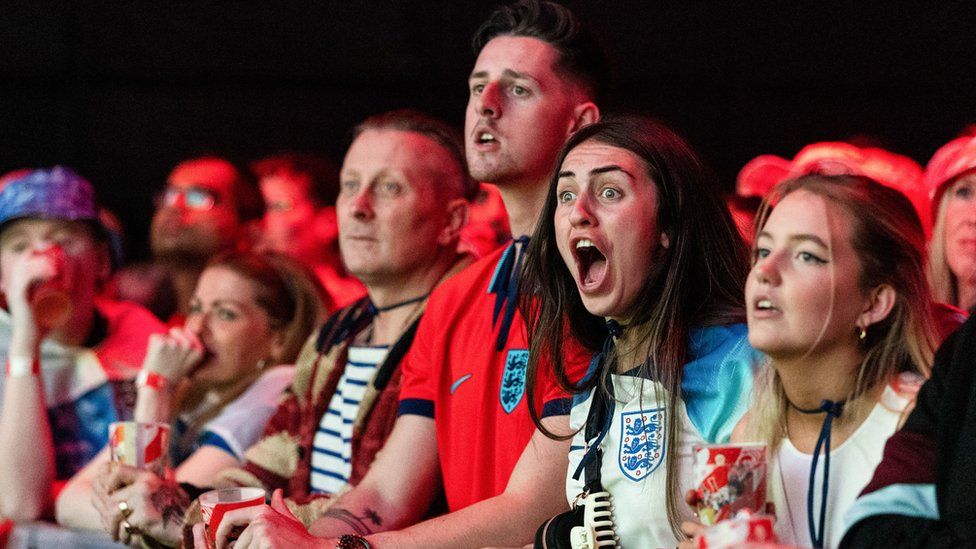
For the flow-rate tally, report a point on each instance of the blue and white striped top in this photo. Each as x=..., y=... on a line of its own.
x=332, y=447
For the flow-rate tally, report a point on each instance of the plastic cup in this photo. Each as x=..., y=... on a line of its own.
x=728, y=478
x=142, y=445
x=742, y=529
x=50, y=302
x=215, y=503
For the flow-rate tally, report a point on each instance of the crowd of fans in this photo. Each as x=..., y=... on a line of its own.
x=456, y=339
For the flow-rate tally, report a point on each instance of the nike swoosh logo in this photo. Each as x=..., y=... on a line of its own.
x=460, y=380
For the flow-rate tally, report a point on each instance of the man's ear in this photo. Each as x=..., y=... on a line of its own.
x=457, y=217
x=584, y=114
x=880, y=301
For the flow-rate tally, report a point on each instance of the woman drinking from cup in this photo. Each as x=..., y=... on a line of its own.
x=638, y=256
x=837, y=299
x=216, y=381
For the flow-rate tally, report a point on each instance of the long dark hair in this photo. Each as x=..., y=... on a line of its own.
x=698, y=279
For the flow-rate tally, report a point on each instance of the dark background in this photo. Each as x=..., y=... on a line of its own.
x=124, y=90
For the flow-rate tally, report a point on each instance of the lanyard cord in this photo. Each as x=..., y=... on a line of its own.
x=600, y=415
x=505, y=285
x=832, y=410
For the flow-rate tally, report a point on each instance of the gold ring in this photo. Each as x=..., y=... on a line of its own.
x=124, y=509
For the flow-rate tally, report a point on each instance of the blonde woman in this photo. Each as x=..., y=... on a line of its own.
x=837, y=299
x=951, y=174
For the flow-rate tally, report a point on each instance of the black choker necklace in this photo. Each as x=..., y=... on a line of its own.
x=615, y=328
x=376, y=310
x=833, y=410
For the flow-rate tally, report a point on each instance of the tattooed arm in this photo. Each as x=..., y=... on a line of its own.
x=156, y=506
x=398, y=489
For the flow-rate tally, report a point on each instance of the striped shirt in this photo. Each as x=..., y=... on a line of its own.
x=332, y=447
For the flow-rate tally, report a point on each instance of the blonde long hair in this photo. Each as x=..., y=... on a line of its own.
x=889, y=242
x=941, y=277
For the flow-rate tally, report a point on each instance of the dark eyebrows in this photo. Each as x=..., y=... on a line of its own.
x=798, y=238
x=610, y=168
x=598, y=171
x=509, y=73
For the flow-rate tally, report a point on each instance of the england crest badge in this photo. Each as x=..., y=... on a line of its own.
x=642, y=443
x=513, y=379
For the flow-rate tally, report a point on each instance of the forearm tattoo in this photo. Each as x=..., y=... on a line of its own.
x=171, y=502
x=357, y=523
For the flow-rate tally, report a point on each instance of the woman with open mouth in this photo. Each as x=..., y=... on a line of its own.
x=837, y=299
x=638, y=257
x=216, y=381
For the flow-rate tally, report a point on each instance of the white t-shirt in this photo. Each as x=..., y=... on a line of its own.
x=240, y=424
x=852, y=465
x=716, y=387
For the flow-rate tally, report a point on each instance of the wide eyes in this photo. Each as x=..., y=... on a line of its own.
x=606, y=194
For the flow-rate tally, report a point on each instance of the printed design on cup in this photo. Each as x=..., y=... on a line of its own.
x=642, y=443
x=141, y=445
x=216, y=503
x=513, y=379
x=729, y=477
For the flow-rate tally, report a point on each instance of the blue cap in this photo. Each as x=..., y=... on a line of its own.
x=55, y=193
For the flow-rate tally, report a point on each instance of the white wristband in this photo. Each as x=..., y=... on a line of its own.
x=152, y=380
x=20, y=366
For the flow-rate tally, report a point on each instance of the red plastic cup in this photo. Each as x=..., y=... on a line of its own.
x=50, y=302
x=728, y=478
x=142, y=445
x=49, y=299
x=216, y=503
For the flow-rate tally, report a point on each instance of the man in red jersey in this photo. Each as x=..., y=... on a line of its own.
x=464, y=418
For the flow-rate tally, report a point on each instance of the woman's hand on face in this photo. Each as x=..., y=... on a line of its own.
x=173, y=355
x=136, y=503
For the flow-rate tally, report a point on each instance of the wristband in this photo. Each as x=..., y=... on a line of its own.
x=352, y=541
x=152, y=379
x=22, y=366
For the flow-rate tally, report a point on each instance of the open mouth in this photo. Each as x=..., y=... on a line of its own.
x=764, y=304
x=591, y=262
x=484, y=138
